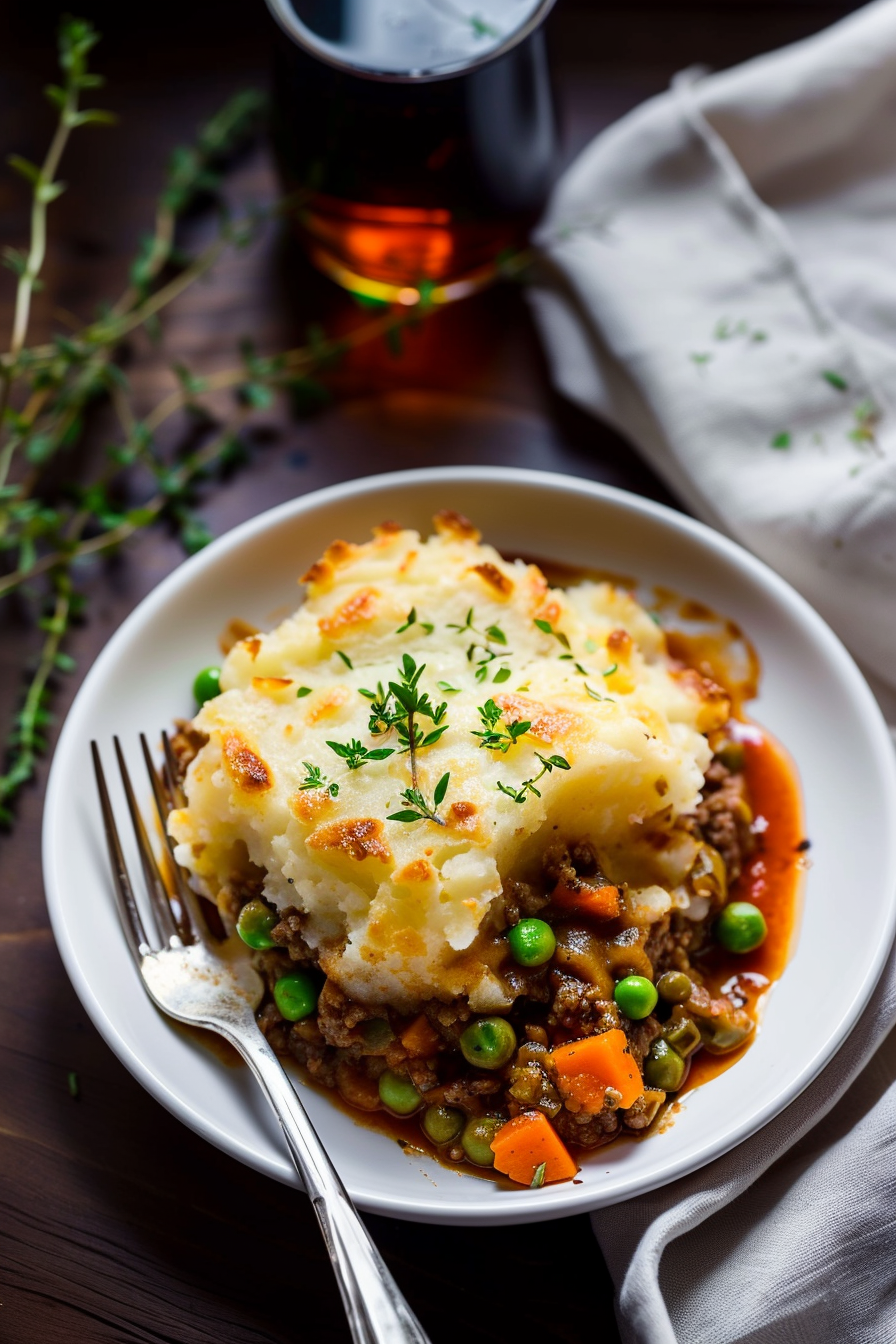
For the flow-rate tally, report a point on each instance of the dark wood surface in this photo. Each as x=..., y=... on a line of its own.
x=116, y=1222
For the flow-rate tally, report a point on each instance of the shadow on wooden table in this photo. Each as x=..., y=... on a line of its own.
x=180, y=1243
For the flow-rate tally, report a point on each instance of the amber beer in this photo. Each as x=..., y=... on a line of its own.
x=419, y=135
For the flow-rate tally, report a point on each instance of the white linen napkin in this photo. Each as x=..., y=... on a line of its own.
x=719, y=282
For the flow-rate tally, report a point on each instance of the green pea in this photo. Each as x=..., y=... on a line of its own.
x=207, y=685
x=255, y=923
x=488, y=1043
x=532, y=942
x=635, y=996
x=398, y=1094
x=477, y=1139
x=683, y=1035
x=664, y=1067
x=442, y=1123
x=740, y=927
x=296, y=995
x=674, y=987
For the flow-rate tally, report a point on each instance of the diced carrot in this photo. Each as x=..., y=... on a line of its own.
x=599, y=902
x=420, y=1038
x=586, y=1068
x=527, y=1141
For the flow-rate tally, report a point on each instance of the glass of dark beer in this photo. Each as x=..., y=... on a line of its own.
x=419, y=136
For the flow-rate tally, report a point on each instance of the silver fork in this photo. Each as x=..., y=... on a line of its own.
x=192, y=981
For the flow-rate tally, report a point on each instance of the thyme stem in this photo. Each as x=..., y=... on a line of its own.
x=28, y=738
x=34, y=263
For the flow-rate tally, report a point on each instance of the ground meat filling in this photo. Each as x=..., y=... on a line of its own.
x=348, y=1045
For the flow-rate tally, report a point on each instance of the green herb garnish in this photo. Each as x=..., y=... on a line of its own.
x=302, y=692
x=538, y=1178
x=547, y=629
x=836, y=380
x=411, y=702
x=315, y=780
x=608, y=671
x=383, y=715
x=867, y=418
x=596, y=695
x=492, y=634
x=418, y=808
x=490, y=736
x=355, y=754
x=548, y=764
x=412, y=619
x=782, y=440
x=345, y=658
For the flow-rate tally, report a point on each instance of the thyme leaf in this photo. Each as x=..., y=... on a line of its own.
x=836, y=380
x=547, y=629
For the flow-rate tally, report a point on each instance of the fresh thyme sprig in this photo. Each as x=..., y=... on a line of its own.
x=315, y=780
x=383, y=713
x=412, y=619
x=548, y=764
x=491, y=737
x=492, y=634
x=418, y=808
x=410, y=704
x=397, y=709
x=355, y=754
x=48, y=390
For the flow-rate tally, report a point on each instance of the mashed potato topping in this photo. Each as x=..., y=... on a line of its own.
x=306, y=766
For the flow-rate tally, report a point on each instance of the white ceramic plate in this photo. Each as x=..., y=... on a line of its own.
x=813, y=698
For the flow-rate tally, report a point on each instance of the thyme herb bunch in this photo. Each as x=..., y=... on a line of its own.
x=49, y=389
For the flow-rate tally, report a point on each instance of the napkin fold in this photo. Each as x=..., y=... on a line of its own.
x=721, y=286
x=719, y=282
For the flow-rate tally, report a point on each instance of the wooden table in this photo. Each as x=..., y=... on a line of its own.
x=118, y=1223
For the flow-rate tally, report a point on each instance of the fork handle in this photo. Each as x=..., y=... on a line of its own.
x=374, y=1304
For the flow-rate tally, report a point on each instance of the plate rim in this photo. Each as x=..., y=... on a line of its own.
x=528, y=1206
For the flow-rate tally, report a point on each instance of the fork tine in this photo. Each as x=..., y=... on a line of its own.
x=175, y=792
x=129, y=914
x=193, y=924
x=158, y=892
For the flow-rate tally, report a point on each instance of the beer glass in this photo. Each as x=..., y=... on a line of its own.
x=419, y=136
